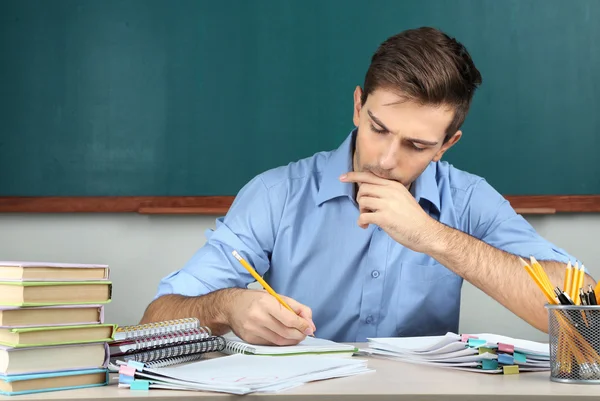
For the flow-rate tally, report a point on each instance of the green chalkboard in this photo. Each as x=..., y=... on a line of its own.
x=182, y=97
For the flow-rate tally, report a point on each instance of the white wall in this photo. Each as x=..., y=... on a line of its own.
x=142, y=249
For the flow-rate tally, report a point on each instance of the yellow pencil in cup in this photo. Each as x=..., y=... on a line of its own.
x=262, y=282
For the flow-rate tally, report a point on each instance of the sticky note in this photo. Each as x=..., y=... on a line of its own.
x=510, y=370
x=489, y=364
x=127, y=370
x=140, y=385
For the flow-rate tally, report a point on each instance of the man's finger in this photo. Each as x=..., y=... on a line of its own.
x=363, y=177
x=291, y=320
x=302, y=310
x=369, y=204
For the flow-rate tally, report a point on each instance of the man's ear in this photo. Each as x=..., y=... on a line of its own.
x=357, y=106
x=449, y=143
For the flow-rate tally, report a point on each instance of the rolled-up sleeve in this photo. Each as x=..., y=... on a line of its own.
x=249, y=227
x=491, y=218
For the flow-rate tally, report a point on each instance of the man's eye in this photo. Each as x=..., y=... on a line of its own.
x=415, y=147
x=379, y=131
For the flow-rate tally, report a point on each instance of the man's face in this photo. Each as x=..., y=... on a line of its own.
x=397, y=138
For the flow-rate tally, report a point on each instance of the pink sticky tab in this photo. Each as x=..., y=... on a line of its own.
x=127, y=370
x=465, y=337
x=506, y=348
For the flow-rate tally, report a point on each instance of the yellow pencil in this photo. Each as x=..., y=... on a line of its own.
x=568, y=278
x=574, y=290
x=539, y=283
x=261, y=281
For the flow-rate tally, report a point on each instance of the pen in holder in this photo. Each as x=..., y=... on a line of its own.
x=574, y=332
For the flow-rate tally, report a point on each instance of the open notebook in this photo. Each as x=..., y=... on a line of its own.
x=310, y=345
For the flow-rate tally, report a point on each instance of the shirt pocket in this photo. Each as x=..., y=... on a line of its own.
x=431, y=272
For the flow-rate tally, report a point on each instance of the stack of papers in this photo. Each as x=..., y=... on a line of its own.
x=484, y=353
x=241, y=374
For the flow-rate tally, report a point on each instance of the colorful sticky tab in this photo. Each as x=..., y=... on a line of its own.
x=140, y=385
x=519, y=357
x=506, y=348
x=125, y=379
x=489, y=364
x=510, y=370
x=483, y=350
x=137, y=365
x=505, y=359
x=465, y=337
x=127, y=370
x=474, y=342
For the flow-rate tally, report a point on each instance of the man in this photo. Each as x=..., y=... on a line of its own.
x=375, y=237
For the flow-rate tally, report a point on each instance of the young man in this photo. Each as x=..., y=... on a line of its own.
x=375, y=237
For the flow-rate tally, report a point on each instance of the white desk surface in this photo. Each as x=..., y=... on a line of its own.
x=392, y=380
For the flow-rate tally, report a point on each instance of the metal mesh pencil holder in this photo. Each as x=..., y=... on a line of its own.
x=574, y=333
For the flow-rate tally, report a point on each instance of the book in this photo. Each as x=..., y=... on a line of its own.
x=482, y=353
x=42, y=382
x=41, y=293
x=310, y=345
x=55, y=335
x=243, y=374
x=14, y=361
x=211, y=344
x=60, y=315
x=42, y=271
x=155, y=328
x=126, y=346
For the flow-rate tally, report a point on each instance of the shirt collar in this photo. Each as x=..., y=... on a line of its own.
x=340, y=162
x=426, y=187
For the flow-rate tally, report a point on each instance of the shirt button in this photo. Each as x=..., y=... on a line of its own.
x=369, y=319
x=374, y=274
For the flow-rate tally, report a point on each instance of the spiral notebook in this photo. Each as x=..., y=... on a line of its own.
x=123, y=347
x=157, y=328
x=310, y=345
x=211, y=344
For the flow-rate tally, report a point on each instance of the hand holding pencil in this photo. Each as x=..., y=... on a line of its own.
x=265, y=317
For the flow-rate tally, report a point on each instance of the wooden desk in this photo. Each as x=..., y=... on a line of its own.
x=391, y=381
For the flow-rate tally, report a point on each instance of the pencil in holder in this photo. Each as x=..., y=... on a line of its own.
x=574, y=335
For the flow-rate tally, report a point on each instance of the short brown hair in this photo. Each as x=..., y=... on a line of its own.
x=427, y=66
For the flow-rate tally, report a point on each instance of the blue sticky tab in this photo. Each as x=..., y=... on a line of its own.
x=139, y=385
x=489, y=364
x=125, y=379
x=137, y=365
x=475, y=342
x=505, y=359
x=519, y=357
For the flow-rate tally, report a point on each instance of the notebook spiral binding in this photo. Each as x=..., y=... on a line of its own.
x=174, y=361
x=238, y=348
x=209, y=345
x=167, y=326
x=172, y=338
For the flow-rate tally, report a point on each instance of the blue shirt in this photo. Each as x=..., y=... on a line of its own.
x=296, y=225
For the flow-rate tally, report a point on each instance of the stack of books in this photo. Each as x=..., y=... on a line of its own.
x=52, y=330
x=163, y=343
